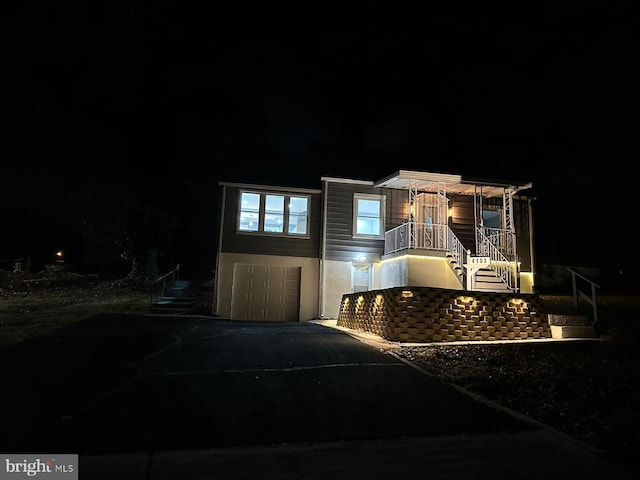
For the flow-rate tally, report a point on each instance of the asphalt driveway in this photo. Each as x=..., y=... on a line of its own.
x=126, y=385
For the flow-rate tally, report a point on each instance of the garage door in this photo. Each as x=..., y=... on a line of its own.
x=265, y=293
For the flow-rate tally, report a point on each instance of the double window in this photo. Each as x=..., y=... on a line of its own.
x=368, y=215
x=274, y=213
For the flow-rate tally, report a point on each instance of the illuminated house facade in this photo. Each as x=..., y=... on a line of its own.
x=290, y=254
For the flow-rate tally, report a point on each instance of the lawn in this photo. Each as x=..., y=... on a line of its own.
x=39, y=305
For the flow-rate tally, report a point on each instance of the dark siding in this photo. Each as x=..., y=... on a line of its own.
x=463, y=220
x=520, y=220
x=397, y=207
x=521, y=225
x=233, y=242
x=340, y=244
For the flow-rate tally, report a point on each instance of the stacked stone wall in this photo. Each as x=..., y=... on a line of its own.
x=423, y=314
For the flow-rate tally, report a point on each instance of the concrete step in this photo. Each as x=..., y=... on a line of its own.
x=486, y=280
x=178, y=298
x=175, y=300
x=571, y=326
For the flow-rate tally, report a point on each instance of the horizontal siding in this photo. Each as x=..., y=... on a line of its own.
x=234, y=242
x=463, y=219
x=340, y=244
x=523, y=237
x=397, y=207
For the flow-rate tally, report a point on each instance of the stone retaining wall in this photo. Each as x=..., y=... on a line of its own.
x=423, y=314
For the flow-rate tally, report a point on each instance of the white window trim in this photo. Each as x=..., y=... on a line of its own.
x=262, y=211
x=368, y=196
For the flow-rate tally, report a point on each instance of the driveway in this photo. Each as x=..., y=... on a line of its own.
x=141, y=396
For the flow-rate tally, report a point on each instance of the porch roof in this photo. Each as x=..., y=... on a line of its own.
x=428, y=182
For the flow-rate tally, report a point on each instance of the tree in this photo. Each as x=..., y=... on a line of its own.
x=109, y=213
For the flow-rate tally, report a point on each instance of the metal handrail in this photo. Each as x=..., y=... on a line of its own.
x=168, y=278
x=501, y=238
x=590, y=299
x=426, y=236
x=458, y=251
x=500, y=264
x=418, y=235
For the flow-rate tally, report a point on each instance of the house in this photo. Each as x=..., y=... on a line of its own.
x=291, y=254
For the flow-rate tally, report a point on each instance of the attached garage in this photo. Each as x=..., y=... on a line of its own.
x=266, y=293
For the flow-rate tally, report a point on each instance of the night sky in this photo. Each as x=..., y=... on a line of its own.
x=172, y=98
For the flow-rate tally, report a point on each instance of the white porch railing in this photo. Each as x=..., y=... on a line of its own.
x=502, y=239
x=424, y=236
x=500, y=264
x=416, y=235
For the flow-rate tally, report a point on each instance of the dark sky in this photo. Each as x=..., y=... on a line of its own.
x=175, y=97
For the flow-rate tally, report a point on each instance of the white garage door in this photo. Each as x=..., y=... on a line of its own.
x=263, y=292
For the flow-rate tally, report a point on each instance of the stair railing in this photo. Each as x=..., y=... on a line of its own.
x=457, y=250
x=502, y=239
x=163, y=282
x=590, y=298
x=504, y=268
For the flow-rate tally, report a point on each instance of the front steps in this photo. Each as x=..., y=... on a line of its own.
x=571, y=326
x=486, y=280
x=178, y=298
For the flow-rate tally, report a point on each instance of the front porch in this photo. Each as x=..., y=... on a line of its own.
x=493, y=266
x=470, y=222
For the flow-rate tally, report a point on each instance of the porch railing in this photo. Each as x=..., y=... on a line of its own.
x=499, y=263
x=417, y=235
x=502, y=239
x=425, y=236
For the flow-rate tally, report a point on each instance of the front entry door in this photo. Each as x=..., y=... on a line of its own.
x=360, y=277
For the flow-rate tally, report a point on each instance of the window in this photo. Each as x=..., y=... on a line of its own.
x=368, y=213
x=492, y=218
x=298, y=215
x=274, y=213
x=249, y=212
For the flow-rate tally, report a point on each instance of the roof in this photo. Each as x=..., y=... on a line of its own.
x=277, y=188
x=429, y=182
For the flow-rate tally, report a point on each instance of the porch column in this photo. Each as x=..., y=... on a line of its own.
x=413, y=192
x=507, y=204
x=443, y=216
